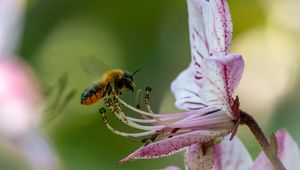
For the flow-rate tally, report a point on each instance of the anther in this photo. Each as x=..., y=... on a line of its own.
x=102, y=110
x=147, y=100
x=148, y=89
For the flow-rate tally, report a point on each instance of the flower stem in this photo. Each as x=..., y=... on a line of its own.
x=248, y=120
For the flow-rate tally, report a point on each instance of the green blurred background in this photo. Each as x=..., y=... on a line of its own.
x=152, y=35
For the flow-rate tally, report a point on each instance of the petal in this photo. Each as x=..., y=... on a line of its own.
x=209, y=82
x=198, y=17
x=210, y=27
x=233, y=67
x=198, y=156
x=214, y=88
x=219, y=27
x=232, y=155
x=172, y=145
x=189, y=94
x=171, y=168
x=288, y=153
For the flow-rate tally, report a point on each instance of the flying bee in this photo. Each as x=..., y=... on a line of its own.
x=114, y=81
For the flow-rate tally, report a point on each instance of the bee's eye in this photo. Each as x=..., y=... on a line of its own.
x=128, y=81
x=128, y=77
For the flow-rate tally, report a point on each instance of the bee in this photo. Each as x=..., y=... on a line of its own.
x=114, y=81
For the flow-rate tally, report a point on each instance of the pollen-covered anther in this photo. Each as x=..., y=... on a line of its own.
x=147, y=99
x=102, y=110
x=149, y=108
x=148, y=89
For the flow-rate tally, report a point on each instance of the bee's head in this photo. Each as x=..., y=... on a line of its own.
x=129, y=78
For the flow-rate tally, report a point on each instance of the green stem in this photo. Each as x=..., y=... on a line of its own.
x=248, y=120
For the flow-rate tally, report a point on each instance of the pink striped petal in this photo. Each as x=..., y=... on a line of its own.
x=198, y=156
x=198, y=21
x=172, y=145
x=212, y=76
x=232, y=67
x=288, y=152
x=189, y=93
x=210, y=28
x=214, y=89
x=219, y=27
x=232, y=155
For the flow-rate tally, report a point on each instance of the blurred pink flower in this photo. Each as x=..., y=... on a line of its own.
x=20, y=108
x=21, y=99
x=205, y=89
x=232, y=155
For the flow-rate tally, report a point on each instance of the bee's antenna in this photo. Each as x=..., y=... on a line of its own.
x=136, y=71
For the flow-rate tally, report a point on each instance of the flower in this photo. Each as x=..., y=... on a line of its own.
x=20, y=97
x=288, y=153
x=20, y=114
x=232, y=155
x=204, y=89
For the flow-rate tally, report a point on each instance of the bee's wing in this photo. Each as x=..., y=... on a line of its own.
x=58, y=98
x=94, y=66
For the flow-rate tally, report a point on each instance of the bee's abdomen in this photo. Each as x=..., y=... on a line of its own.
x=92, y=94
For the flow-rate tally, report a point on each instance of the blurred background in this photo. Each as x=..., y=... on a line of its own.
x=54, y=37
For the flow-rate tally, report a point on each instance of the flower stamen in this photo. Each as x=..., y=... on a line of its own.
x=129, y=135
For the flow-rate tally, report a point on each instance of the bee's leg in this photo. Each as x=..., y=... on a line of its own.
x=109, y=89
x=115, y=89
x=130, y=87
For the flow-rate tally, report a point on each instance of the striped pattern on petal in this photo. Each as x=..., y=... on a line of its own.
x=172, y=145
x=209, y=82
